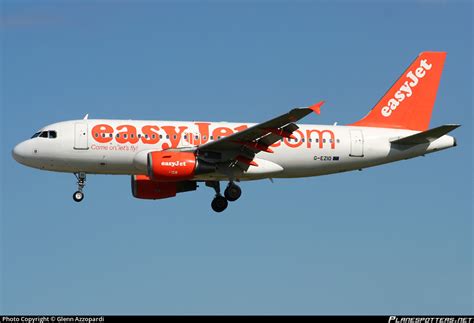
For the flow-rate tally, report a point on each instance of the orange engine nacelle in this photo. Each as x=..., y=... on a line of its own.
x=171, y=166
x=144, y=188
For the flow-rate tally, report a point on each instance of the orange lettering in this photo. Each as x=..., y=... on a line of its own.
x=149, y=136
x=298, y=142
x=221, y=132
x=175, y=137
x=130, y=135
x=240, y=128
x=320, y=137
x=203, y=129
x=101, y=133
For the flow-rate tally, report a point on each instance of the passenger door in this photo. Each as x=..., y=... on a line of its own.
x=81, y=136
x=357, y=143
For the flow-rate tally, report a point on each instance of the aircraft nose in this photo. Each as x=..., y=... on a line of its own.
x=20, y=152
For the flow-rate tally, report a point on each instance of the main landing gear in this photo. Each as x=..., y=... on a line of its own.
x=231, y=194
x=81, y=182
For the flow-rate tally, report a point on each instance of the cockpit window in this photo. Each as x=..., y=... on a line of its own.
x=46, y=134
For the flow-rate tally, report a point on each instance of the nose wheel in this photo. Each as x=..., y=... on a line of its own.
x=78, y=196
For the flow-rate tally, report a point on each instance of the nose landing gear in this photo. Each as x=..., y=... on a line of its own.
x=78, y=196
x=231, y=193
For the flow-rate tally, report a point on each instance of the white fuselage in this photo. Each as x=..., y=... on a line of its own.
x=121, y=147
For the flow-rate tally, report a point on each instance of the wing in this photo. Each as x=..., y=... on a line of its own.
x=240, y=148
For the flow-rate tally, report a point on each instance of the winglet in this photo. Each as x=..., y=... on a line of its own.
x=317, y=107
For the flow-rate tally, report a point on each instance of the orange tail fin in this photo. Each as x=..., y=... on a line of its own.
x=409, y=102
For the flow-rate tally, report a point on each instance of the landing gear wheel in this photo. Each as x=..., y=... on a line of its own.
x=78, y=196
x=219, y=203
x=81, y=182
x=232, y=192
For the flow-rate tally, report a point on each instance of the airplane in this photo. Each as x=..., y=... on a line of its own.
x=165, y=158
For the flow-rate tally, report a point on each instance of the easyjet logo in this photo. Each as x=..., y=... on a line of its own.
x=168, y=136
x=173, y=163
x=406, y=90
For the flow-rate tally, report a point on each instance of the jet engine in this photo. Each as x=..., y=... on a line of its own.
x=144, y=188
x=174, y=166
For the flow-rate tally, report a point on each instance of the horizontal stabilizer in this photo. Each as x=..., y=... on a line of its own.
x=426, y=136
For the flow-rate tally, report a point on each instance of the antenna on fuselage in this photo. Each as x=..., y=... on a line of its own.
x=86, y=116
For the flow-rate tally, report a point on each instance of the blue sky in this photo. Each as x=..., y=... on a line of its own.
x=390, y=239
